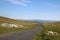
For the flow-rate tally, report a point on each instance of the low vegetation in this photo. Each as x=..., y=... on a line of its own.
x=50, y=31
x=27, y=25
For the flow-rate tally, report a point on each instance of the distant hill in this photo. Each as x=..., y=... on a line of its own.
x=42, y=21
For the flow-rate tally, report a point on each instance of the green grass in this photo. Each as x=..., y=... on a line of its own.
x=27, y=25
x=55, y=27
x=4, y=30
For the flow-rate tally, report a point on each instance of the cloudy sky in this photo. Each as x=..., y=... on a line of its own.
x=30, y=9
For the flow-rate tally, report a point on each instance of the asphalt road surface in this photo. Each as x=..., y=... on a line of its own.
x=23, y=35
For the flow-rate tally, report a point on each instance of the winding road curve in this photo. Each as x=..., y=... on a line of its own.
x=23, y=35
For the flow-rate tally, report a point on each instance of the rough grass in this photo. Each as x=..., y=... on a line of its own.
x=55, y=27
x=4, y=30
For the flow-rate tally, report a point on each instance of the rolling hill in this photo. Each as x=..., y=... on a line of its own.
x=15, y=21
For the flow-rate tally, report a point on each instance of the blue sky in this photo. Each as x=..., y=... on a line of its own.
x=30, y=9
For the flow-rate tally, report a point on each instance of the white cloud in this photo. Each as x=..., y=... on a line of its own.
x=18, y=2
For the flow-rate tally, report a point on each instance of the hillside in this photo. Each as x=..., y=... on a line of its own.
x=13, y=25
x=9, y=20
x=14, y=21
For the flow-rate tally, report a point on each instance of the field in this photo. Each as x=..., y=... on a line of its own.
x=50, y=31
x=27, y=25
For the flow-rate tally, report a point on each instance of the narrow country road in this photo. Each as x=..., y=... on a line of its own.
x=23, y=35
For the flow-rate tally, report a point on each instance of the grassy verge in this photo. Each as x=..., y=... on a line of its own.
x=54, y=27
x=4, y=30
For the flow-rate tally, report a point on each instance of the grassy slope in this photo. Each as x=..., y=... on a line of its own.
x=55, y=27
x=29, y=25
